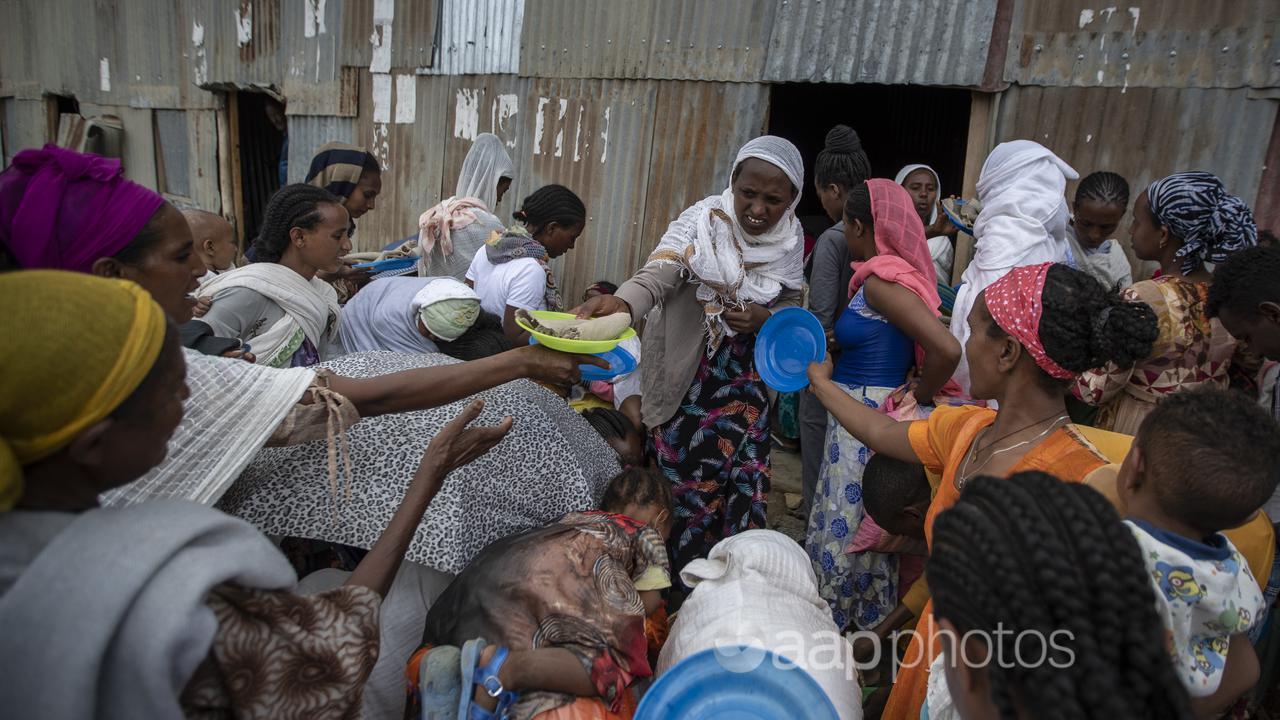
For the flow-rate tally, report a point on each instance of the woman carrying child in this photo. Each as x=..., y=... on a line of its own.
x=1032, y=331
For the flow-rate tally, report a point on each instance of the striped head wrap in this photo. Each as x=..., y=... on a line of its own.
x=337, y=167
x=1196, y=207
x=1016, y=302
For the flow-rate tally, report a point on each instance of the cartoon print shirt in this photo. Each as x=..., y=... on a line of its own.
x=1205, y=593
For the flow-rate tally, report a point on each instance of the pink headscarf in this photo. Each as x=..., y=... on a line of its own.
x=1016, y=302
x=902, y=253
x=63, y=210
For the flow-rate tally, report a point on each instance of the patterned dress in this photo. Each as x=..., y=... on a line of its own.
x=1191, y=351
x=715, y=452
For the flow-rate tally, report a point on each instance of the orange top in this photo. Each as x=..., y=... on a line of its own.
x=941, y=442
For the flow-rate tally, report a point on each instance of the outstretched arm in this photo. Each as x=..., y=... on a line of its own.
x=424, y=388
x=879, y=432
x=909, y=314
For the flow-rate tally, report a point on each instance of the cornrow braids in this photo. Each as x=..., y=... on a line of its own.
x=483, y=339
x=637, y=486
x=842, y=160
x=293, y=206
x=551, y=204
x=1106, y=187
x=1032, y=557
x=609, y=423
x=1244, y=281
x=857, y=205
x=1084, y=325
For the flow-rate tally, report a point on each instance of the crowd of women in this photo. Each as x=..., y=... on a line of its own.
x=293, y=487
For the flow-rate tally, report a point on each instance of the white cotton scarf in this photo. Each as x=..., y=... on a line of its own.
x=1023, y=221
x=233, y=408
x=310, y=306
x=486, y=163
x=731, y=267
x=104, y=612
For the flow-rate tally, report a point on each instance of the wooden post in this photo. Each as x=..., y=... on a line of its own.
x=234, y=171
x=982, y=128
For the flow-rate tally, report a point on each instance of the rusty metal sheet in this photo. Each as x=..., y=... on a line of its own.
x=1146, y=43
x=233, y=43
x=648, y=39
x=1145, y=133
x=920, y=42
x=388, y=34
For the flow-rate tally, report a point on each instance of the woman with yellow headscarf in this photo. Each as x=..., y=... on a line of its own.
x=143, y=611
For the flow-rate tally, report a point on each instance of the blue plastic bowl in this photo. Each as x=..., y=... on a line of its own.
x=620, y=362
x=742, y=683
x=378, y=266
x=786, y=345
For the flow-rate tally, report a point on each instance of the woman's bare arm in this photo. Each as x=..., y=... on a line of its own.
x=909, y=314
x=879, y=432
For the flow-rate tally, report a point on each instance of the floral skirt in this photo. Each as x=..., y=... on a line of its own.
x=715, y=452
x=860, y=587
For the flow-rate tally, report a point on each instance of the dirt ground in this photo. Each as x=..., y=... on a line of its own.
x=784, y=498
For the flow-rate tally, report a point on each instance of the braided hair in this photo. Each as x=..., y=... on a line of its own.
x=842, y=160
x=1244, y=281
x=1032, y=557
x=641, y=487
x=1083, y=325
x=1107, y=188
x=857, y=205
x=293, y=206
x=609, y=423
x=551, y=204
x=483, y=339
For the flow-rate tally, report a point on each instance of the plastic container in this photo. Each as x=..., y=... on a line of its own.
x=786, y=345
x=738, y=683
x=581, y=347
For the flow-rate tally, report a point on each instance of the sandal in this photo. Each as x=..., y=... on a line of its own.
x=486, y=677
x=440, y=683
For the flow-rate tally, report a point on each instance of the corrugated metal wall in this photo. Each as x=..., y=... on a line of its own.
x=1146, y=133
x=660, y=39
x=923, y=42
x=1146, y=43
x=478, y=37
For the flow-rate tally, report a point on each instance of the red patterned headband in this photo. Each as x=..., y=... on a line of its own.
x=1015, y=302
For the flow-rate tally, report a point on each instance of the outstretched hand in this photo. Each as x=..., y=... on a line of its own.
x=820, y=372
x=456, y=444
x=552, y=367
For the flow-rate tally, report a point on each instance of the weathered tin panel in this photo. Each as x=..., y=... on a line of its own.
x=410, y=154
x=1145, y=133
x=919, y=42
x=388, y=34
x=315, y=83
x=23, y=125
x=307, y=133
x=478, y=37
x=1146, y=43
x=658, y=39
x=233, y=43
x=698, y=128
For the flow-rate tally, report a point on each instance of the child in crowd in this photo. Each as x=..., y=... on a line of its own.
x=1202, y=462
x=214, y=241
x=565, y=606
x=1037, y=588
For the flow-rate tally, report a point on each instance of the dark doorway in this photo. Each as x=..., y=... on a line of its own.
x=261, y=140
x=899, y=125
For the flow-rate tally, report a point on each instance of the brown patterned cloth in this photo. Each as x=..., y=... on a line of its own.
x=572, y=585
x=281, y=655
x=1192, y=350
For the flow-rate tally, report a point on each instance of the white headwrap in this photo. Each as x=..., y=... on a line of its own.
x=487, y=161
x=901, y=178
x=446, y=322
x=733, y=268
x=1023, y=221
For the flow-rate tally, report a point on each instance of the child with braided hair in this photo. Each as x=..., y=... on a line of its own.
x=1036, y=588
x=512, y=273
x=1100, y=203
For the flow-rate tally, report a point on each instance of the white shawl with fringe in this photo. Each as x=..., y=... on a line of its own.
x=310, y=306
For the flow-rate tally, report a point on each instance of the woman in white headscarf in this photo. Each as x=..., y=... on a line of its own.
x=1023, y=221
x=924, y=185
x=720, y=270
x=452, y=232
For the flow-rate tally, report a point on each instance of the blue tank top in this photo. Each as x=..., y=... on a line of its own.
x=873, y=351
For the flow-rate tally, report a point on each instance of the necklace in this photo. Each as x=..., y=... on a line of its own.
x=964, y=473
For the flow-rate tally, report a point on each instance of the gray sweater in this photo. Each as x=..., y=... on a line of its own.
x=674, y=335
x=829, y=276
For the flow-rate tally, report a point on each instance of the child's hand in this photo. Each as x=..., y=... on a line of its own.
x=202, y=306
